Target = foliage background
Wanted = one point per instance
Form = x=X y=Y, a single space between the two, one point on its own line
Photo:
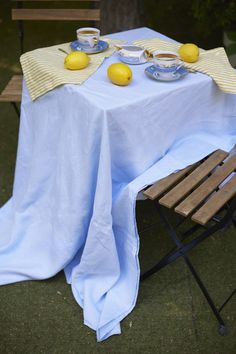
x=198 y=21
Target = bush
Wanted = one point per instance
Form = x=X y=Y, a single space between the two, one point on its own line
x=212 y=14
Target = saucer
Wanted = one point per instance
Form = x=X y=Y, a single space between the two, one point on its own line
x=153 y=72
x=100 y=47
x=132 y=60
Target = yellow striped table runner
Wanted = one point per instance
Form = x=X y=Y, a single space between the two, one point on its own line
x=213 y=62
x=43 y=68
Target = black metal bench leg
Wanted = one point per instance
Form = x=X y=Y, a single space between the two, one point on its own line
x=181 y=249
x=227 y=300
x=169 y=258
x=16 y=109
x=222 y=327
x=234 y=222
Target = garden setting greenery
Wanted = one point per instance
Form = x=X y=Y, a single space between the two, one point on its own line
x=207 y=23
x=222 y=14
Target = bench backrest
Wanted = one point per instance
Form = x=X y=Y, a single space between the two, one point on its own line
x=88 y=12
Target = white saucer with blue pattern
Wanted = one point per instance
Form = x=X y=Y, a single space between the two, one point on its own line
x=155 y=73
x=99 y=47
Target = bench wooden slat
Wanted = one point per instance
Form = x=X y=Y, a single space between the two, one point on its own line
x=216 y=202
x=56 y=14
x=16 y=80
x=10 y=98
x=13 y=90
x=206 y=188
x=193 y=179
x=165 y=183
x=14 y=83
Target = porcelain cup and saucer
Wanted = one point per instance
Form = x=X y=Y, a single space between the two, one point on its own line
x=88 y=41
x=167 y=66
x=167 y=63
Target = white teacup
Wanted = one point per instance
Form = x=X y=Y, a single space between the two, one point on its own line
x=166 y=62
x=88 y=36
x=166 y=58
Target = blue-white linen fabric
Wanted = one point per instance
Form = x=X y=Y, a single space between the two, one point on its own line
x=84 y=153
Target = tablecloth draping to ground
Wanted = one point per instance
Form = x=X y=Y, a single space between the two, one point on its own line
x=84 y=153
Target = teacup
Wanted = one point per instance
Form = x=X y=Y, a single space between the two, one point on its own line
x=132 y=54
x=88 y=36
x=166 y=62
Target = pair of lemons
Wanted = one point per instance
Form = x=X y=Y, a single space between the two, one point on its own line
x=118 y=73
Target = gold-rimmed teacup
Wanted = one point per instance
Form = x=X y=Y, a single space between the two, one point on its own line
x=88 y=36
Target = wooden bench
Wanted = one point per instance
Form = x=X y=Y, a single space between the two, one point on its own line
x=188 y=190
x=13 y=89
x=204 y=192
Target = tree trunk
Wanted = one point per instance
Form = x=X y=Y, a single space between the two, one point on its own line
x=120 y=15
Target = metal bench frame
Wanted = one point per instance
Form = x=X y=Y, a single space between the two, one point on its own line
x=217 y=222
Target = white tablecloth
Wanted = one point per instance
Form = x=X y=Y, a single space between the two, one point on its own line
x=84 y=153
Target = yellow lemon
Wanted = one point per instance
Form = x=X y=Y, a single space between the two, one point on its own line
x=189 y=52
x=76 y=60
x=120 y=74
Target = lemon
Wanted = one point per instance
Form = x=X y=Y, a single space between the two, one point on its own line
x=120 y=74
x=76 y=61
x=189 y=52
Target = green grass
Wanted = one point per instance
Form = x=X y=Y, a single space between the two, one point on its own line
x=171 y=315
